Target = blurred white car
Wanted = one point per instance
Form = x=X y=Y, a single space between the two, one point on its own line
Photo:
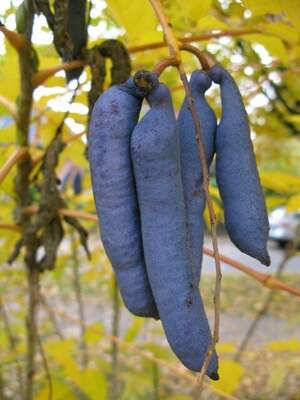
x=283 y=225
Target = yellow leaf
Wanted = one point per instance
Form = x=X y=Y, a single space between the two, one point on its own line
x=294 y=203
x=210 y=22
x=284 y=345
x=9 y=73
x=194 y=9
x=274 y=201
x=291 y=8
x=231 y=374
x=136 y=17
x=226 y=348
x=263 y=7
x=277 y=377
x=61 y=391
x=94 y=332
x=280 y=182
x=273 y=45
x=281 y=30
x=92 y=383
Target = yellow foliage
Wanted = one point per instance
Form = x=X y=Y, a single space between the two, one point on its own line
x=263 y=7
x=210 y=22
x=293 y=203
x=273 y=45
x=284 y=345
x=195 y=9
x=291 y=8
x=137 y=17
x=280 y=182
x=281 y=30
x=226 y=348
x=231 y=374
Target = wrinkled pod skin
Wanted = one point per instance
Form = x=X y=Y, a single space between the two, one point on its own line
x=192 y=177
x=77 y=31
x=113 y=119
x=156 y=160
x=246 y=217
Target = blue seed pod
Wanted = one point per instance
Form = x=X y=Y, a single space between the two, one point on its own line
x=156 y=160
x=192 y=176
x=246 y=217
x=113 y=119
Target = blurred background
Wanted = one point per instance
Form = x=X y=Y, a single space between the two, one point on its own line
x=67 y=322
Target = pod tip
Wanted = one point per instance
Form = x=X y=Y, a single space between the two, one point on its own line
x=214 y=376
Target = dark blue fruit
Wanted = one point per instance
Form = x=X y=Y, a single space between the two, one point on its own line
x=245 y=211
x=192 y=177
x=113 y=119
x=155 y=153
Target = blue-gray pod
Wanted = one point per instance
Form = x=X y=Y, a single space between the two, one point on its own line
x=155 y=154
x=113 y=119
x=192 y=177
x=246 y=217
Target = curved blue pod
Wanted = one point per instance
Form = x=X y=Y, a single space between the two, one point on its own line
x=113 y=119
x=156 y=161
x=246 y=217
x=192 y=177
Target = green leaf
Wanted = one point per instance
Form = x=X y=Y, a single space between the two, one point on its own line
x=61 y=391
x=273 y=45
x=210 y=22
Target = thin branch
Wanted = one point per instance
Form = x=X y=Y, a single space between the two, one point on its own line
x=46 y=368
x=174 y=46
x=52 y=316
x=79 y=300
x=17 y=156
x=266 y=280
x=17 y=41
x=115 y=347
x=9 y=105
x=193 y=38
x=13 y=347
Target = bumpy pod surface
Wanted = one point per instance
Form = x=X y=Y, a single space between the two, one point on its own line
x=156 y=160
x=192 y=176
x=246 y=218
x=113 y=119
x=77 y=30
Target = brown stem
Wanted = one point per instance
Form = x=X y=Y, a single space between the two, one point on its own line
x=174 y=52
x=31 y=325
x=13 y=347
x=41 y=76
x=205 y=60
x=193 y=38
x=15 y=39
x=9 y=105
x=79 y=301
x=115 y=347
x=17 y=156
x=52 y=316
x=163 y=64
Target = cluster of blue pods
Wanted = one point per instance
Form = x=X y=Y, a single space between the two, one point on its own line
x=147 y=183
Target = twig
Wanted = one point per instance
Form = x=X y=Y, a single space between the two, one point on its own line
x=15 y=39
x=79 y=300
x=9 y=105
x=46 y=368
x=174 y=46
x=12 y=345
x=115 y=347
x=289 y=252
x=17 y=156
x=10 y=227
x=267 y=280
x=41 y=76
x=193 y=38
x=52 y=316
